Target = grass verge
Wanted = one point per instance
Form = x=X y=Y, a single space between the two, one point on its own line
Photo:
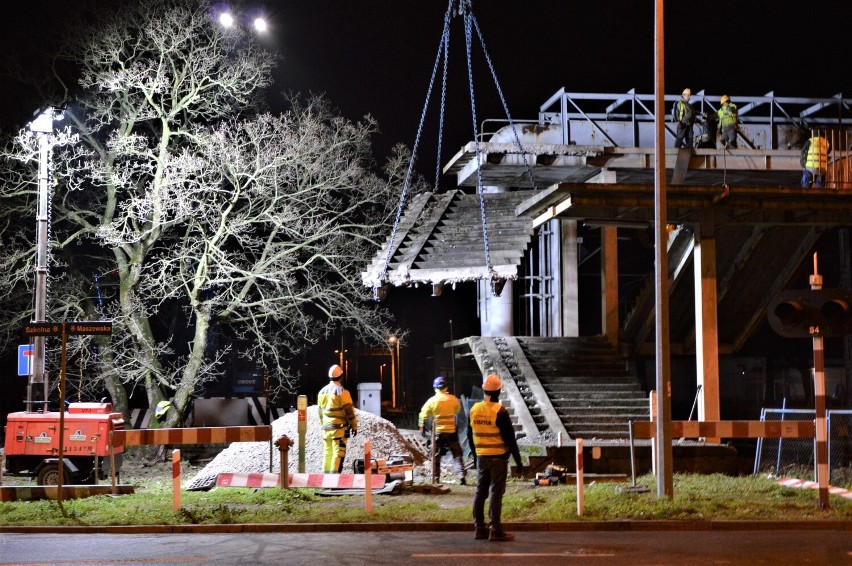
x=696 y=497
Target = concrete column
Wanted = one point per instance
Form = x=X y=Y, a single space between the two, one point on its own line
x=609 y=284
x=706 y=325
x=495 y=313
x=570 y=290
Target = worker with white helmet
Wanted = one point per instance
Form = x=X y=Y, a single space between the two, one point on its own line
x=728 y=122
x=442 y=408
x=337 y=418
x=683 y=115
x=492 y=435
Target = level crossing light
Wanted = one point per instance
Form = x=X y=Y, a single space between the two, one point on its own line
x=42 y=126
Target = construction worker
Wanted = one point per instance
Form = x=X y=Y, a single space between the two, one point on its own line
x=337 y=418
x=728 y=122
x=684 y=116
x=815 y=161
x=492 y=435
x=443 y=407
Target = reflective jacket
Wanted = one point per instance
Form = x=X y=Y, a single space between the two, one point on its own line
x=728 y=115
x=683 y=113
x=486 y=433
x=335 y=407
x=443 y=408
x=816 y=157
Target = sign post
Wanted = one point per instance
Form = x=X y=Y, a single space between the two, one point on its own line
x=302 y=407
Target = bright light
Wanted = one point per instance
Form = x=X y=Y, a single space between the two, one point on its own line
x=260 y=25
x=226 y=19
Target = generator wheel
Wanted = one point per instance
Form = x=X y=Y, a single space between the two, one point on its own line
x=48 y=475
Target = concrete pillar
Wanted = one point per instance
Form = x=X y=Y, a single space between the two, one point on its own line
x=570 y=289
x=706 y=325
x=609 y=284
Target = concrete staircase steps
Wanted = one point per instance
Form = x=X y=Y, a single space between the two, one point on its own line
x=588 y=385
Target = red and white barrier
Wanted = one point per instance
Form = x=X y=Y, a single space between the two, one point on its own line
x=793 y=482
x=319 y=481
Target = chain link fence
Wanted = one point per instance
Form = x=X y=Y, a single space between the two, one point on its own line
x=785 y=456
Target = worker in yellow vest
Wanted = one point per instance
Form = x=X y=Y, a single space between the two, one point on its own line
x=337 y=418
x=815 y=162
x=443 y=407
x=729 y=121
x=492 y=435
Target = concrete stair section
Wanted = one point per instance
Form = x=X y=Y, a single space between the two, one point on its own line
x=587 y=385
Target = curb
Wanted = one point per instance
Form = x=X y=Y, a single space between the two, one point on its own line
x=575 y=526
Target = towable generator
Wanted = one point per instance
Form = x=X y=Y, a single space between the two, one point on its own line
x=32 y=444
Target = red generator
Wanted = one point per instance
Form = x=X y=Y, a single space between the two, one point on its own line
x=32 y=445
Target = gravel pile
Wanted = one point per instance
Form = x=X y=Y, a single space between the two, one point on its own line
x=253 y=457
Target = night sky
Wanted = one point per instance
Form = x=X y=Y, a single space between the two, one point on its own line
x=376 y=56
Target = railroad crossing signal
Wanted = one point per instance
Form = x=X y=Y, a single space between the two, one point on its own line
x=811 y=312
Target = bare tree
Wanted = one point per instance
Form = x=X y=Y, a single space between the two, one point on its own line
x=205 y=209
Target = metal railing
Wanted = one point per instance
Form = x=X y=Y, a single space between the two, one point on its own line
x=627 y=119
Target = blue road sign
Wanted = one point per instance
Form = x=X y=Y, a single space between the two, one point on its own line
x=25 y=356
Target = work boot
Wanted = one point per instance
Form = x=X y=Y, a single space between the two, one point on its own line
x=463 y=481
x=500 y=536
x=481 y=534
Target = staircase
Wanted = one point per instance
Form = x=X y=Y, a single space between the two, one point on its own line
x=587 y=384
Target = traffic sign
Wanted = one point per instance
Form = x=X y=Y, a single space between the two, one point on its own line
x=25 y=356
x=42 y=329
x=86 y=327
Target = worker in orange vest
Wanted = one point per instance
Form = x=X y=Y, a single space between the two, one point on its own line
x=493 y=436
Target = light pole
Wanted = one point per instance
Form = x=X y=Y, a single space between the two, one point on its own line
x=382 y=373
x=42 y=126
x=394 y=351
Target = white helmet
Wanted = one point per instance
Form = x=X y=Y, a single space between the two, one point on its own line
x=335 y=371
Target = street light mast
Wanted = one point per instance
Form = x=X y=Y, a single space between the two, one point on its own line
x=42 y=126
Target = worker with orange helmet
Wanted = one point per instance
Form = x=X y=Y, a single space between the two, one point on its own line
x=728 y=122
x=493 y=437
x=337 y=418
x=442 y=408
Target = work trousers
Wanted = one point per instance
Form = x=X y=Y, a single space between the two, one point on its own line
x=491 y=474
x=813 y=178
x=334 y=450
x=728 y=137
x=447 y=441
x=684 y=137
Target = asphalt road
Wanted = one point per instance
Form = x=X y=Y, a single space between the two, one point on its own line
x=817 y=547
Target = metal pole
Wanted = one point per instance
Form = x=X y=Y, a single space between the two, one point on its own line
x=819 y=405
x=38 y=378
x=664 y=428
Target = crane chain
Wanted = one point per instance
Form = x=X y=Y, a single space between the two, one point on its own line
x=442 y=46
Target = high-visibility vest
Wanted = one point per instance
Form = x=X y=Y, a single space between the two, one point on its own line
x=727 y=115
x=486 y=434
x=335 y=407
x=817 y=157
x=443 y=408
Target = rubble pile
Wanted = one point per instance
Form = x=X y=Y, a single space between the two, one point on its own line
x=253 y=457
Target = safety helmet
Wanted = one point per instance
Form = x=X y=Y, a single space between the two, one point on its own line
x=440 y=382
x=492 y=383
x=335 y=371
x=687 y=92
x=725 y=98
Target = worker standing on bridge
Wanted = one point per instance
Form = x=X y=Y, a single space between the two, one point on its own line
x=729 y=121
x=337 y=418
x=493 y=436
x=684 y=116
x=815 y=161
x=443 y=407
